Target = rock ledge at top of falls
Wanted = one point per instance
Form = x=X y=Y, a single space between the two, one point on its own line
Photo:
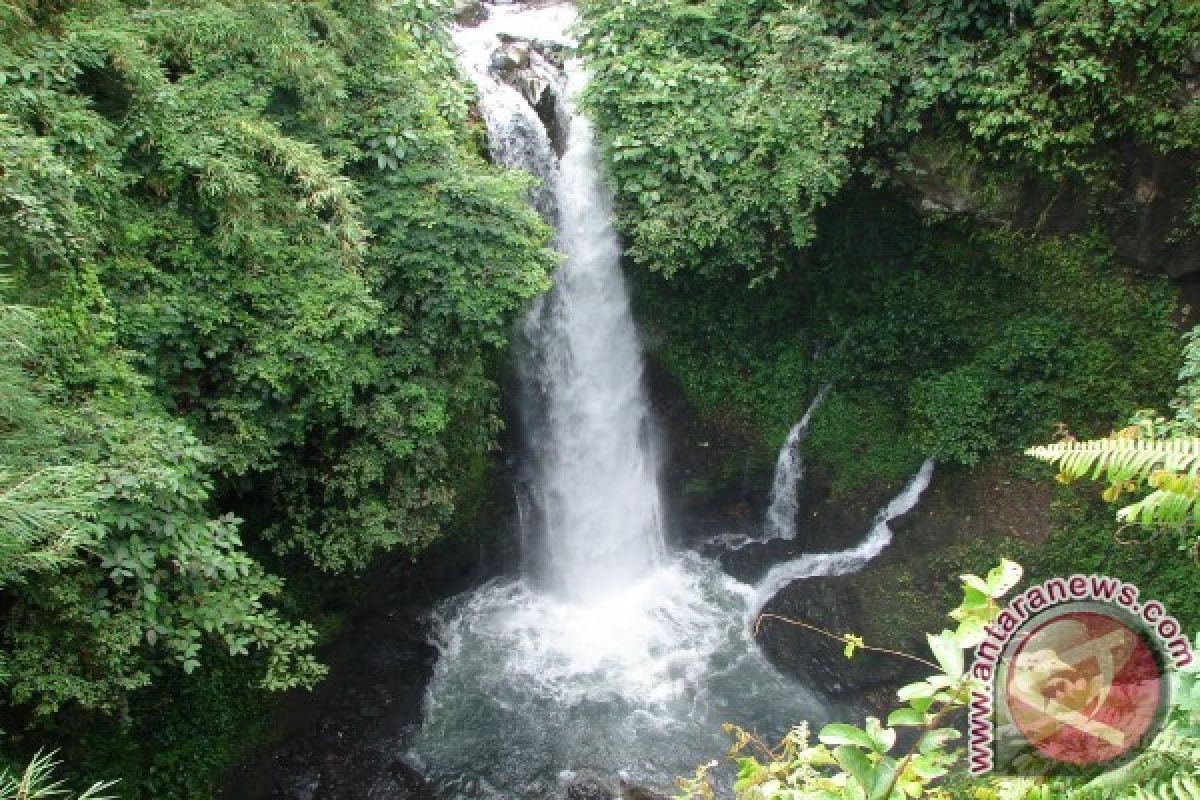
x=534 y=67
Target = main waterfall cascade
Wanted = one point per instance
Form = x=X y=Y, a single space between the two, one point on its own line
x=596 y=472
x=608 y=654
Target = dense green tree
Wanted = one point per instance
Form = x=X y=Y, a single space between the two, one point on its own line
x=727 y=124
x=267 y=271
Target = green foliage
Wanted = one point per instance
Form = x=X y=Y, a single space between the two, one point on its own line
x=954 y=412
x=44 y=507
x=938 y=339
x=184 y=736
x=1080 y=75
x=37 y=782
x=1127 y=463
x=860 y=437
x=736 y=350
x=266 y=275
x=728 y=124
x=1153 y=456
x=725 y=124
x=317 y=310
x=120 y=567
x=1084 y=540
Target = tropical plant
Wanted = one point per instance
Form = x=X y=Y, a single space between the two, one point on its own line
x=863 y=763
x=849 y=762
x=37 y=782
x=1155 y=457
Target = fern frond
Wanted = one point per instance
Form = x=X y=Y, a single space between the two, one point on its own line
x=1168 y=467
x=1162 y=507
x=1121 y=458
x=1177 y=787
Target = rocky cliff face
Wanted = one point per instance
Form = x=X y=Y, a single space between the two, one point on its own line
x=1143 y=207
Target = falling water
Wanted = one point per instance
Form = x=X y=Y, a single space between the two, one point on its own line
x=596 y=479
x=606 y=653
x=846 y=561
x=789 y=472
x=517 y=135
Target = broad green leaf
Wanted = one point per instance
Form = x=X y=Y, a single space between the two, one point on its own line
x=932 y=740
x=882 y=738
x=839 y=733
x=948 y=651
x=905 y=716
x=912 y=690
x=857 y=765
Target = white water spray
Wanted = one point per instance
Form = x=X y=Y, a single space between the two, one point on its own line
x=596 y=478
x=846 y=561
x=789 y=472
x=607 y=654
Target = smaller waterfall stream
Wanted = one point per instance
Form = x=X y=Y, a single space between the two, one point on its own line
x=789 y=472
x=846 y=561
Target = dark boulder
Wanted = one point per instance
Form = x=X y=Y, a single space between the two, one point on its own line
x=631 y=791
x=588 y=788
x=838 y=605
x=399 y=781
x=469 y=13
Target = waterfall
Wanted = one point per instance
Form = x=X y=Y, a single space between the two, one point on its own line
x=606 y=653
x=517 y=135
x=596 y=472
x=789 y=472
x=595 y=519
x=846 y=561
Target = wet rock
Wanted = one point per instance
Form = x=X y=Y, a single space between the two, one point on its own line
x=534 y=67
x=1143 y=209
x=824 y=524
x=511 y=56
x=298 y=785
x=837 y=605
x=469 y=12
x=631 y=791
x=400 y=781
x=750 y=562
x=588 y=788
x=553 y=51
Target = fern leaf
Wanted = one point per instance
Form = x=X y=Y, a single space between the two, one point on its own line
x=1120 y=459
